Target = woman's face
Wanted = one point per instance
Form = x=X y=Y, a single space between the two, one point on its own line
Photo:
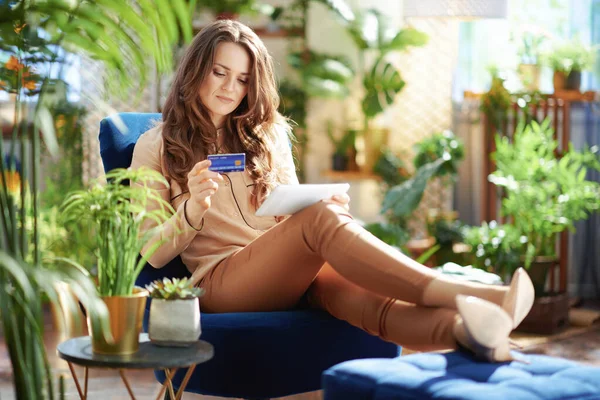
x=223 y=89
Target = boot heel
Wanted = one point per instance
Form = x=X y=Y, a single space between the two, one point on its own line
x=520 y=297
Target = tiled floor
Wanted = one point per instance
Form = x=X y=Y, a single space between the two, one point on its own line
x=581 y=344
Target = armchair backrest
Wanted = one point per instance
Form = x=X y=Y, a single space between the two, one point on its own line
x=118 y=135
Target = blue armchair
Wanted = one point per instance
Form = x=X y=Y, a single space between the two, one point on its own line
x=258 y=355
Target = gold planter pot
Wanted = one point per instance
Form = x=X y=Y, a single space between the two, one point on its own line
x=125 y=315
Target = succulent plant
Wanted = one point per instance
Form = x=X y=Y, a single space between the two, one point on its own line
x=173 y=289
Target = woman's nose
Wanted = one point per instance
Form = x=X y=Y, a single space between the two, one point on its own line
x=229 y=85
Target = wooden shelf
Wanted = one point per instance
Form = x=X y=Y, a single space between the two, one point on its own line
x=565 y=95
x=350 y=175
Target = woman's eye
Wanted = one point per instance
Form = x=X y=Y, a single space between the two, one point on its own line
x=218 y=74
x=243 y=82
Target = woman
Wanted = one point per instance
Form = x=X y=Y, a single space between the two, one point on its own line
x=224 y=100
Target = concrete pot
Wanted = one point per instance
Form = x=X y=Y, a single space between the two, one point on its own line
x=174 y=322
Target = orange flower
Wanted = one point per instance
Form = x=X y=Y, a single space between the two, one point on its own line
x=30 y=85
x=2 y=85
x=13 y=181
x=13 y=64
x=19 y=28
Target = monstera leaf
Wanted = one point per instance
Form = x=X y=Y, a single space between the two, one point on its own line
x=381 y=84
x=405 y=198
x=403 y=39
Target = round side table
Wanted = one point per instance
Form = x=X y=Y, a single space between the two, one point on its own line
x=79 y=351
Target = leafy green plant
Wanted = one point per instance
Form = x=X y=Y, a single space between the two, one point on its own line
x=116 y=212
x=322 y=75
x=124 y=36
x=496 y=102
x=543 y=194
x=374 y=37
x=495 y=248
x=391 y=169
x=175 y=289
x=571 y=56
x=437 y=157
x=446 y=232
x=444 y=145
x=531 y=46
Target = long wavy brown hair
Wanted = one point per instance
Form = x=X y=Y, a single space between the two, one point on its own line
x=187 y=129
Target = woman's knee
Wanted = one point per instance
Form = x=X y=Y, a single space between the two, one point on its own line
x=321 y=220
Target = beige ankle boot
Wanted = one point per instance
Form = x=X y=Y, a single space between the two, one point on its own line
x=515 y=299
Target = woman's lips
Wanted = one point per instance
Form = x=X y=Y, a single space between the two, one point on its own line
x=225 y=100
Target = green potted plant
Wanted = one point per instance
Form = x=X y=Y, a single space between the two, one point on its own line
x=447 y=231
x=568 y=60
x=391 y=168
x=543 y=194
x=115 y=213
x=174 y=312
x=436 y=157
x=532 y=40
x=496 y=102
x=341 y=145
x=443 y=145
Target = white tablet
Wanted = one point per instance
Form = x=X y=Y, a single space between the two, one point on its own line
x=289 y=199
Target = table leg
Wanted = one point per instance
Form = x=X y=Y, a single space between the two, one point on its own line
x=124 y=378
x=170 y=384
x=167 y=384
x=85 y=380
x=82 y=396
x=185 y=381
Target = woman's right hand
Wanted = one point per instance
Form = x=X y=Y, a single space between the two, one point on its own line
x=202 y=184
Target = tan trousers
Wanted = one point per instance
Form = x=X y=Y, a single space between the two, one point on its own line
x=346 y=271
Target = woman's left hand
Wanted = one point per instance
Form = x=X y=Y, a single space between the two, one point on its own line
x=342 y=200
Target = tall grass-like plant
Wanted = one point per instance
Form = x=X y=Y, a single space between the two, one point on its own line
x=126 y=36
x=115 y=213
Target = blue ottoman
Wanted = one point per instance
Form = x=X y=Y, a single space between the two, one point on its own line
x=457 y=376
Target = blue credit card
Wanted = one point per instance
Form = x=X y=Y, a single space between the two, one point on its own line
x=235 y=162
